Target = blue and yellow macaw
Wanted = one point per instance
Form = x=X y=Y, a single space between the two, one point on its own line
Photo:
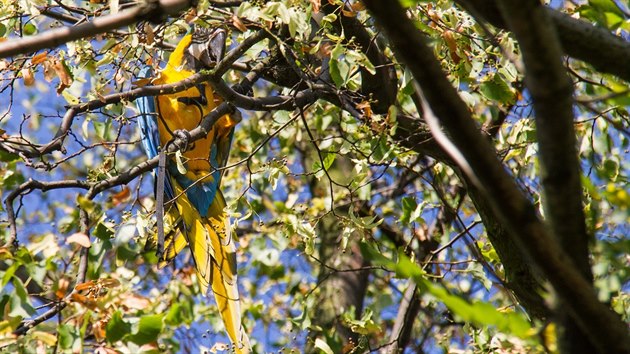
x=196 y=216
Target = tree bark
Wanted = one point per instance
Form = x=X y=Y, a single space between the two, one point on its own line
x=478 y=159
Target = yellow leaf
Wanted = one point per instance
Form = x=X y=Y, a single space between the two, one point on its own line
x=48 y=338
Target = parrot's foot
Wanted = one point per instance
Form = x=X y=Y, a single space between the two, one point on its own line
x=182 y=139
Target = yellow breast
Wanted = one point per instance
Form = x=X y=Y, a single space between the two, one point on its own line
x=176 y=115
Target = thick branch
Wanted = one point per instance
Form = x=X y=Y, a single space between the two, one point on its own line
x=551 y=91
x=150 y=10
x=512 y=207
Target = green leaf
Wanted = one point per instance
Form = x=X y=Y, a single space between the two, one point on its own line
x=179 y=159
x=406 y=268
x=496 y=89
x=480 y=313
x=10 y=324
x=335 y=72
x=606 y=6
x=19 y=304
x=29 y=29
x=8 y=273
x=103 y=232
x=69 y=337
x=103 y=129
x=365 y=325
x=410 y=3
x=70 y=98
x=329 y=18
x=369 y=251
x=303 y=320
x=149 y=328
x=329 y=158
x=336 y=65
x=8 y=157
x=116 y=328
x=412 y=211
x=179 y=313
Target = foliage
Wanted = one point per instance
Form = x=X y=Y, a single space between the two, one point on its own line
x=318 y=193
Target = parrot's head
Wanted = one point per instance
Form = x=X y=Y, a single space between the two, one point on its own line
x=206 y=47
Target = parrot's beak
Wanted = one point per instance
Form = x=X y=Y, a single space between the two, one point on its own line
x=208 y=47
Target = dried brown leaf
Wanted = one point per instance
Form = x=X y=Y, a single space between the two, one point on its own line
x=84 y=286
x=150 y=33
x=49 y=73
x=366 y=108
x=109 y=283
x=358 y=6
x=27 y=75
x=236 y=22
x=316 y=4
x=136 y=302
x=62 y=288
x=190 y=15
x=451 y=42
x=121 y=196
x=63 y=73
x=39 y=58
x=348 y=13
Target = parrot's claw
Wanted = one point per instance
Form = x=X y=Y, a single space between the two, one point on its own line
x=182 y=139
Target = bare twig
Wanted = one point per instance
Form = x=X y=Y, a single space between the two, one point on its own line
x=149 y=10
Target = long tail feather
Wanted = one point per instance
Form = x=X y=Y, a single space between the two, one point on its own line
x=214 y=254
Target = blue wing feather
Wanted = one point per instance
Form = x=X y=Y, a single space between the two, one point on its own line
x=149 y=130
x=148 y=122
x=200 y=194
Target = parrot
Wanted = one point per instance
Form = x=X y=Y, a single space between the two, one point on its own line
x=194 y=207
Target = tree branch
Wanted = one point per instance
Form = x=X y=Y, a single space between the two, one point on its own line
x=552 y=90
x=512 y=207
x=152 y=10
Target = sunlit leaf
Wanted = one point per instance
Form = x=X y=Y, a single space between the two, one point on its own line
x=117 y=328
x=149 y=328
x=323 y=346
x=80 y=239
